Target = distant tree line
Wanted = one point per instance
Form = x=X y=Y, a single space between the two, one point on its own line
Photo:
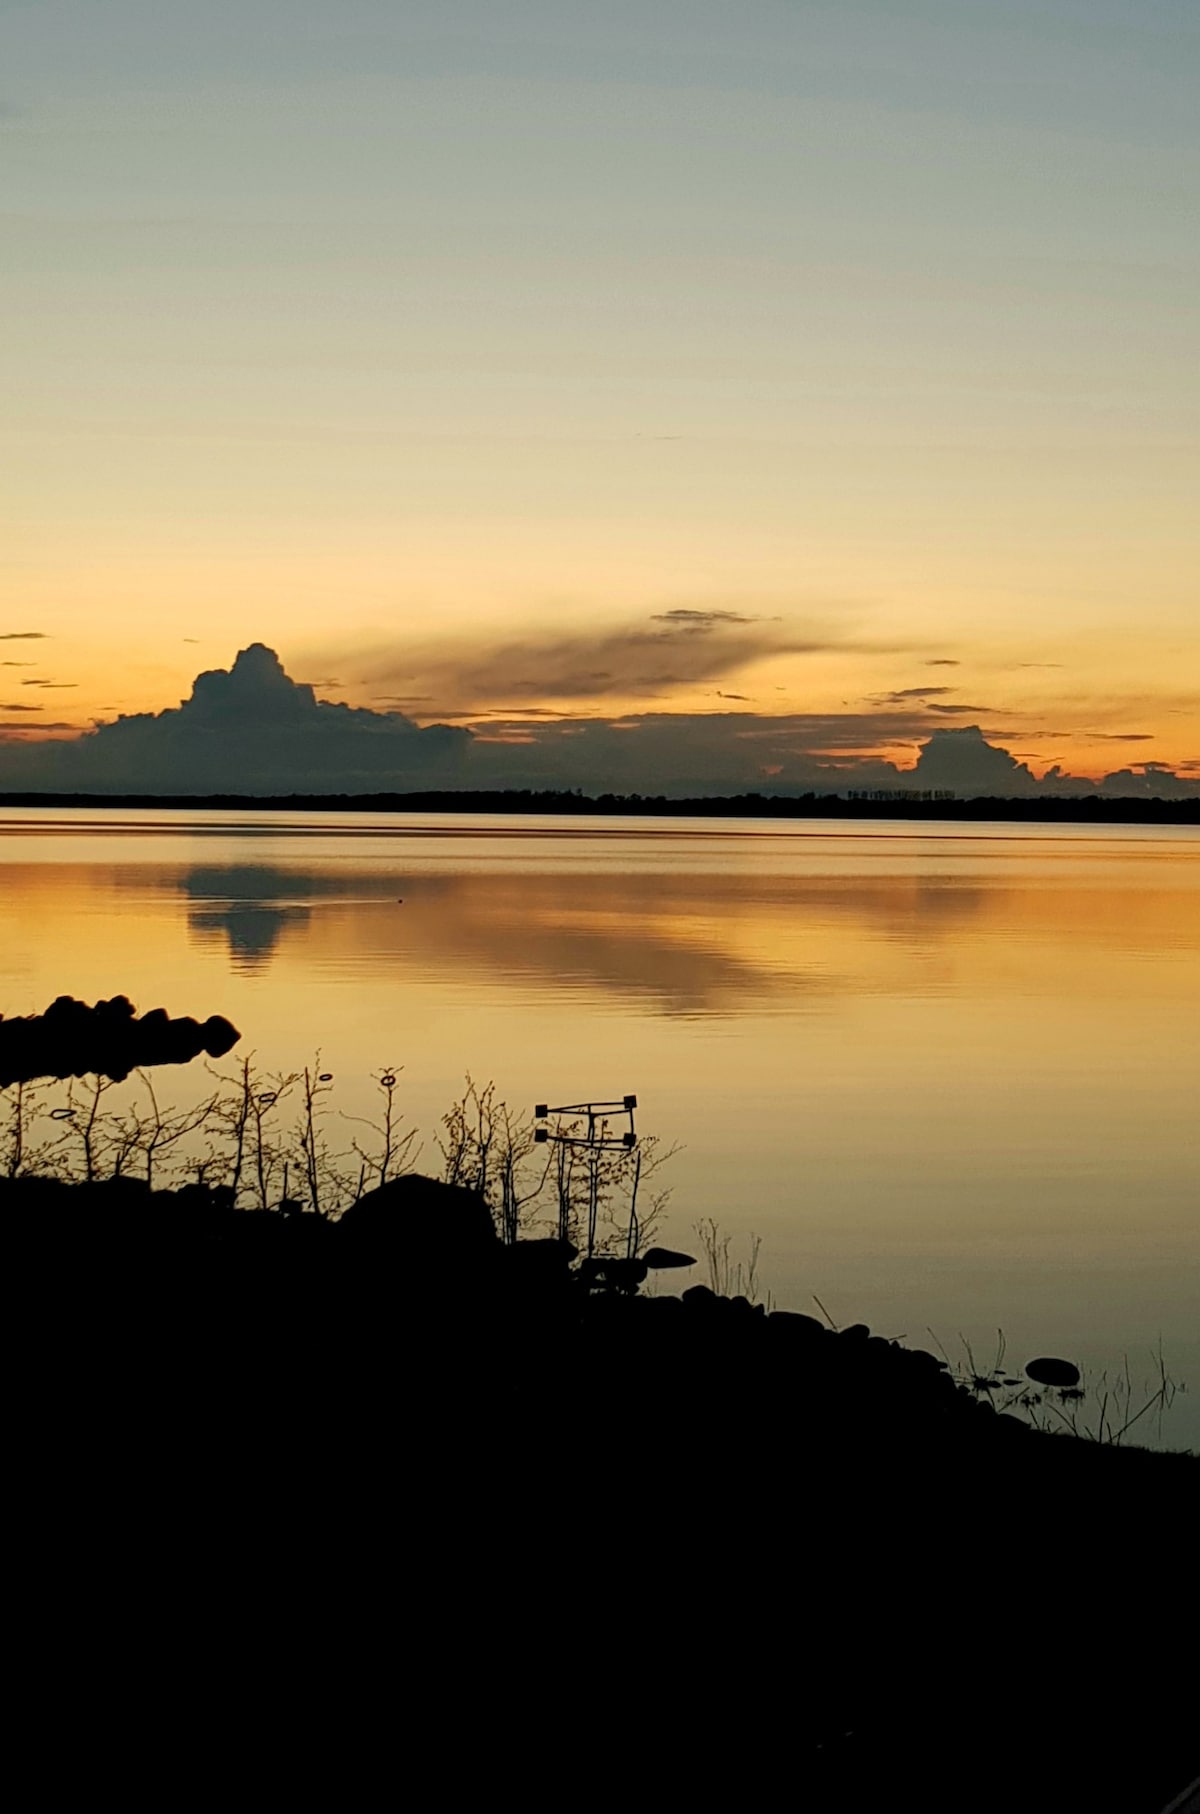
x=933 y=804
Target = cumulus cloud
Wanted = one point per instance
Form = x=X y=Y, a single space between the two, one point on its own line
x=965 y=762
x=246 y=729
x=252 y=729
x=677 y=754
x=1151 y=781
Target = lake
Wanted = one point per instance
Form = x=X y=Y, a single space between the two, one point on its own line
x=949 y=1074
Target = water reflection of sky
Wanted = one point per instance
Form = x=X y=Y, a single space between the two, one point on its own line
x=950 y=1080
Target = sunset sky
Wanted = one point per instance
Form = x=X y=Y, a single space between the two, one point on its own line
x=496 y=358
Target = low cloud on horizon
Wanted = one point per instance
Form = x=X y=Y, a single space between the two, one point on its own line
x=252 y=729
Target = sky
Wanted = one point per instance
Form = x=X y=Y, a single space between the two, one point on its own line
x=827 y=368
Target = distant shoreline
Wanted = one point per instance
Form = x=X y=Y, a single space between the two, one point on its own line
x=1090 y=809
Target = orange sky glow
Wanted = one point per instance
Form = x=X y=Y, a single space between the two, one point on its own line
x=455 y=355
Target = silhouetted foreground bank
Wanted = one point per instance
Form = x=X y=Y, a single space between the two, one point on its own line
x=665 y=1536
x=1088 y=809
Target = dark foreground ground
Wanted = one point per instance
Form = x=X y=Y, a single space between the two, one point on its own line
x=380 y=1510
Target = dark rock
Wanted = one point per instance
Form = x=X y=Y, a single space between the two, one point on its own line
x=1050 y=1372
x=72 y=1039
x=615 y=1275
x=794 y=1323
x=423 y=1218
x=857 y=1332
x=540 y=1262
x=1010 y=1427
x=700 y=1297
x=921 y=1358
x=662 y=1259
x=220 y=1035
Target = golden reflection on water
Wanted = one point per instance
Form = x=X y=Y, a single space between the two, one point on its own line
x=949 y=1075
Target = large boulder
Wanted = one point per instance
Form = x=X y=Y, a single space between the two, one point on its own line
x=423 y=1218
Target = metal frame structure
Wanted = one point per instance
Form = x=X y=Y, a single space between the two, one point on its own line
x=596 y=1114
x=592 y=1145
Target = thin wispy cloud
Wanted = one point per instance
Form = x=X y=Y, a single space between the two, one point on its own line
x=666 y=652
x=976 y=711
x=904 y=695
x=8 y=724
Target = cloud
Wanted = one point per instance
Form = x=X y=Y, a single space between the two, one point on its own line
x=963 y=760
x=23 y=636
x=678 y=754
x=685 y=617
x=943 y=661
x=1152 y=780
x=679 y=648
x=15 y=705
x=54 y=685
x=980 y=710
x=252 y=729
x=247 y=729
x=905 y=694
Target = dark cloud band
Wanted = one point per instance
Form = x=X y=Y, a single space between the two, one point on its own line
x=251 y=729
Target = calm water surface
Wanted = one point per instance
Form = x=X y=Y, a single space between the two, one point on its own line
x=949 y=1074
